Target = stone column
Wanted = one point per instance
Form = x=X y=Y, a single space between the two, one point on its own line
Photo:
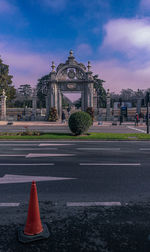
x=95 y=99
x=3 y=106
x=82 y=100
x=89 y=87
x=34 y=104
x=90 y=95
x=48 y=101
x=59 y=104
x=53 y=94
x=108 y=106
x=95 y=103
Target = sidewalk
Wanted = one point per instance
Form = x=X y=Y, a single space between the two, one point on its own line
x=45 y=123
x=86 y=229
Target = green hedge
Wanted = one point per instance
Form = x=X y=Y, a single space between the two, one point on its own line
x=79 y=122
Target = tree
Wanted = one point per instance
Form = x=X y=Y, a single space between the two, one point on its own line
x=128 y=95
x=114 y=98
x=41 y=91
x=25 y=90
x=101 y=93
x=24 y=93
x=6 y=83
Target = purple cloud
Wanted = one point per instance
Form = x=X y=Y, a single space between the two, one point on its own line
x=121 y=76
x=26 y=66
x=84 y=49
x=145 y=4
x=7 y=7
x=127 y=35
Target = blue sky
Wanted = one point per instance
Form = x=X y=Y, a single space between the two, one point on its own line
x=113 y=34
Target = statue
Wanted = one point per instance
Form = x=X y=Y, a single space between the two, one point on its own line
x=3 y=92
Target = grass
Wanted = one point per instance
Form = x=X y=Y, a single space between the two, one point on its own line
x=89 y=136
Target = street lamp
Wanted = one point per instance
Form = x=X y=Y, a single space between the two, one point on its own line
x=147 y=104
x=120 y=104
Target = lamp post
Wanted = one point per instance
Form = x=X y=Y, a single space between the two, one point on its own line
x=138 y=104
x=147 y=104
x=120 y=103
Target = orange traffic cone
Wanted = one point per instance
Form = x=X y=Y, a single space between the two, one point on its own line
x=33 y=229
x=33 y=224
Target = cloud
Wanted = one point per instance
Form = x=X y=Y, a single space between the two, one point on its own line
x=7 y=7
x=26 y=66
x=84 y=49
x=145 y=4
x=119 y=76
x=129 y=38
x=127 y=35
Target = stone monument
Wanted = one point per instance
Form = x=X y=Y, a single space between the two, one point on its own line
x=70 y=76
x=3 y=106
x=108 y=106
x=34 y=103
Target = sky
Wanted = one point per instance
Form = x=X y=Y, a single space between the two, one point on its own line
x=114 y=35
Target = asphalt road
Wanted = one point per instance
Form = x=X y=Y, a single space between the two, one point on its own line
x=124 y=128
x=88 y=171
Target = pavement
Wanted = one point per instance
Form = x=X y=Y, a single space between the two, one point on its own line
x=58 y=123
x=51 y=127
x=101 y=229
x=93 y=196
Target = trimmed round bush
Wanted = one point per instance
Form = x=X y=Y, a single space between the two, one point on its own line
x=79 y=122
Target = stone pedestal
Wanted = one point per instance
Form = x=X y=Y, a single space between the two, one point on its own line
x=108 y=106
x=3 y=106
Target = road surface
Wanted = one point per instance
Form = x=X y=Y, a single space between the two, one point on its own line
x=72 y=171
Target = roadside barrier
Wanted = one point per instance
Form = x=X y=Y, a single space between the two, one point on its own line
x=34 y=230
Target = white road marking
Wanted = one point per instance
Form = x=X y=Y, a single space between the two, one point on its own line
x=39 y=164
x=109 y=149
x=9 y=204
x=12 y=179
x=143 y=149
x=53 y=144
x=12 y=155
x=88 y=204
x=111 y=164
x=18 y=144
x=16 y=149
x=143 y=131
x=32 y=155
x=72 y=141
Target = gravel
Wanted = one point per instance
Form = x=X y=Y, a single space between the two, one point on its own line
x=75 y=229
